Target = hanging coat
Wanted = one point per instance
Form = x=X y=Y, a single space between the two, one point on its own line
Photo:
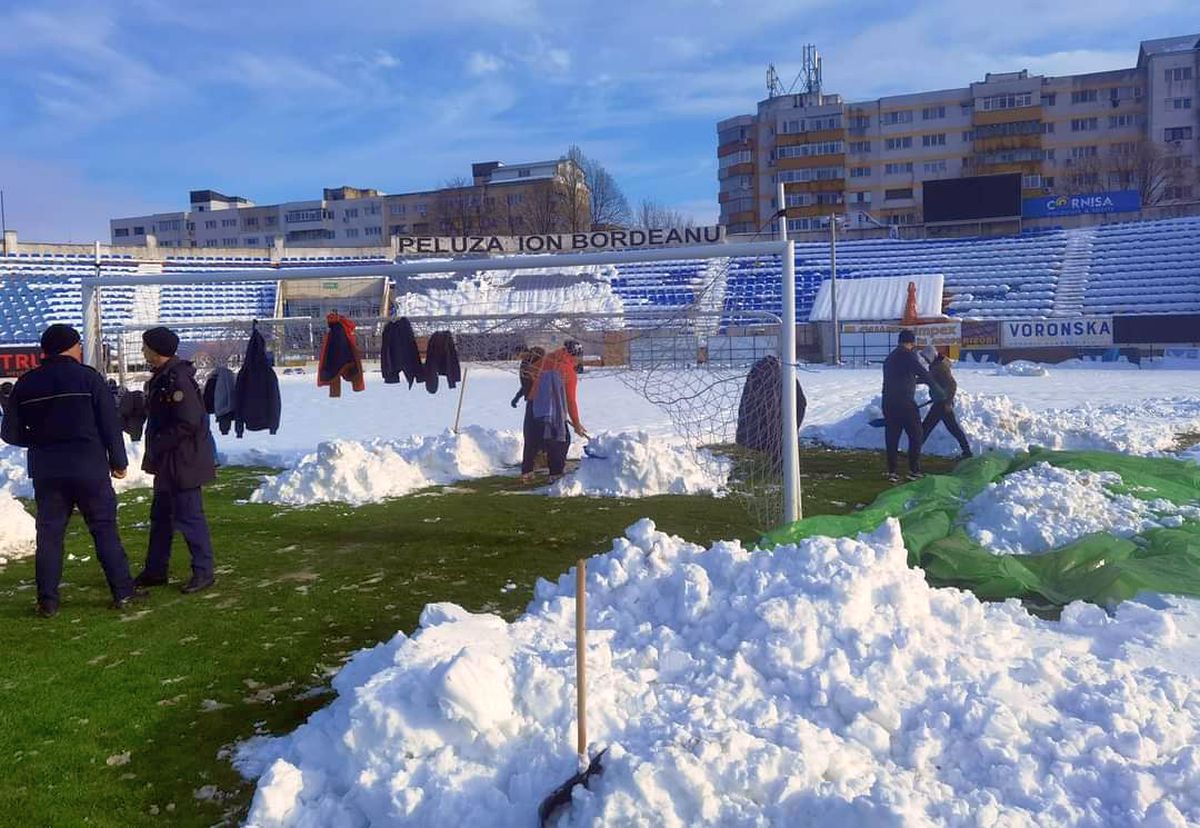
x=256 y=401
x=760 y=419
x=400 y=353
x=132 y=409
x=441 y=358
x=220 y=397
x=340 y=358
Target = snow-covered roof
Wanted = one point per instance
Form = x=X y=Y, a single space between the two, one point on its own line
x=879 y=298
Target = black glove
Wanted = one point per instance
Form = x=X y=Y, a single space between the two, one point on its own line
x=516 y=400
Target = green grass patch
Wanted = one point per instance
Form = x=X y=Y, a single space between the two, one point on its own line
x=119 y=720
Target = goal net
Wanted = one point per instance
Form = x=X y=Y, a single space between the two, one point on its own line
x=699 y=338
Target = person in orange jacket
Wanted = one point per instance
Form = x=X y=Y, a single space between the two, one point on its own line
x=554 y=403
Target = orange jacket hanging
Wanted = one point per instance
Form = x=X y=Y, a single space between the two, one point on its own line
x=340 y=357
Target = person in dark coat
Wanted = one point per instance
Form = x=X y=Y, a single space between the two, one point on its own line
x=760 y=409
x=400 y=353
x=63 y=413
x=179 y=453
x=941 y=410
x=340 y=358
x=531 y=363
x=257 y=405
x=902 y=371
x=5 y=391
x=441 y=358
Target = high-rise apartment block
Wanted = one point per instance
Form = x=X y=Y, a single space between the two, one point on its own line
x=1126 y=129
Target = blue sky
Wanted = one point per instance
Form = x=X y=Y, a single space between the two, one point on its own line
x=119 y=107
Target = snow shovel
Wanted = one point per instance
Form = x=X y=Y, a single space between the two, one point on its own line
x=591 y=451
x=561 y=797
x=880 y=422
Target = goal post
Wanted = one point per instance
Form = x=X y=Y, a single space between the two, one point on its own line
x=402 y=272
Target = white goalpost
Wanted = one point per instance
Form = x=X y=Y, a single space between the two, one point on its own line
x=93 y=333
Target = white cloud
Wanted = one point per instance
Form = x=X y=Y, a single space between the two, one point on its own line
x=483 y=63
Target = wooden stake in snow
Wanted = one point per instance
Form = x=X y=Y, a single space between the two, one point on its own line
x=462 y=390
x=581 y=654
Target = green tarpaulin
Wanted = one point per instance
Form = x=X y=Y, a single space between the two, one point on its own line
x=1099 y=568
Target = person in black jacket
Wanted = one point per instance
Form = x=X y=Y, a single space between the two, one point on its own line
x=902 y=370
x=941 y=409
x=179 y=453
x=63 y=413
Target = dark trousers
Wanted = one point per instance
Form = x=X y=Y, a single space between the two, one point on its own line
x=178 y=510
x=96 y=501
x=942 y=411
x=535 y=441
x=902 y=417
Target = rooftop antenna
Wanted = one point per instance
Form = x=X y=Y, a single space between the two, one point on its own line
x=774 y=85
x=809 y=78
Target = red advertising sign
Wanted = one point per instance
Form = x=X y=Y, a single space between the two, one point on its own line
x=17 y=359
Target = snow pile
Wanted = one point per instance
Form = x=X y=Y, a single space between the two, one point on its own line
x=636 y=465
x=1044 y=507
x=18 y=532
x=14 y=479
x=1021 y=368
x=823 y=683
x=1192 y=454
x=358 y=472
x=996 y=422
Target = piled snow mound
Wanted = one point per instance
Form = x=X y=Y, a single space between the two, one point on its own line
x=636 y=465
x=996 y=422
x=349 y=471
x=1021 y=368
x=18 y=533
x=14 y=479
x=1044 y=507
x=822 y=683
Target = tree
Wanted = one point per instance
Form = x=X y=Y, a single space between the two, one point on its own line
x=608 y=205
x=576 y=198
x=651 y=215
x=453 y=209
x=1142 y=166
x=542 y=208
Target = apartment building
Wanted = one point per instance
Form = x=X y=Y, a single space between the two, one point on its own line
x=535 y=197
x=1126 y=129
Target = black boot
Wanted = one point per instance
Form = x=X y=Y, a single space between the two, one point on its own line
x=46 y=609
x=144 y=580
x=198 y=583
x=138 y=596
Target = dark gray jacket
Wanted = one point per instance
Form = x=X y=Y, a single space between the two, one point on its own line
x=179 y=446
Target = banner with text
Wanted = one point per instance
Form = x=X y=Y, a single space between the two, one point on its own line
x=980 y=334
x=1116 y=201
x=1084 y=332
x=17 y=359
x=591 y=241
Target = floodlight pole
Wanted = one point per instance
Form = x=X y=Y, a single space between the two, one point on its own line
x=790 y=448
x=837 y=334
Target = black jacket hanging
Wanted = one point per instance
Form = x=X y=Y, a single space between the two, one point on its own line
x=400 y=353
x=441 y=358
x=220 y=395
x=256 y=392
x=760 y=419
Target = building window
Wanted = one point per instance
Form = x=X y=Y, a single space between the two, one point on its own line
x=398 y=209
x=898 y=194
x=726 y=161
x=1010 y=101
x=860 y=146
x=268 y=240
x=251 y=241
x=809 y=174
x=967 y=108
x=169 y=226
x=1181 y=73
x=1170 y=134
x=860 y=122
x=933 y=113
x=860 y=198
x=934 y=167
x=1085 y=124
x=210 y=224
x=512 y=200
x=211 y=243
x=371 y=210
x=860 y=172
x=373 y=231
x=1048 y=128
x=1031 y=182
x=898 y=143
x=352 y=232
x=1180 y=103
x=1084 y=96
x=902 y=218
x=1084 y=152
x=349 y=213
x=968 y=136
x=295 y=216
x=898 y=169
x=1123 y=148
x=1177 y=193
x=807 y=150
x=229 y=242
x=1118 y=121
x=121 y=232
x=904 y=116
x=938 y=140
x=1048 y=182
x=523 y=173
x=272 y=221
x=791 y=127
x=229 y=222
x=139 y=231
x=251 y=221
x=1049 y=100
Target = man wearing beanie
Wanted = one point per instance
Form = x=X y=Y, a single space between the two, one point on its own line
x=63 y=413
x=902 y=370
x=179 y=453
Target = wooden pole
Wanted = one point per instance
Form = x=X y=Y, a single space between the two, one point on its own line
x=462 y=390
x=581 y=654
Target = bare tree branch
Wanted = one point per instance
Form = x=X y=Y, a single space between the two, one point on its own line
x=651 y=214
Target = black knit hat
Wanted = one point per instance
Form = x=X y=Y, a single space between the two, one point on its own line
x=907 y=336
x=163 y=341
x=573 y=347
x=58 y=338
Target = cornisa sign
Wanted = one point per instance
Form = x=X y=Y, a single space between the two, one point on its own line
x=1087 y=331
x=1115 y=201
